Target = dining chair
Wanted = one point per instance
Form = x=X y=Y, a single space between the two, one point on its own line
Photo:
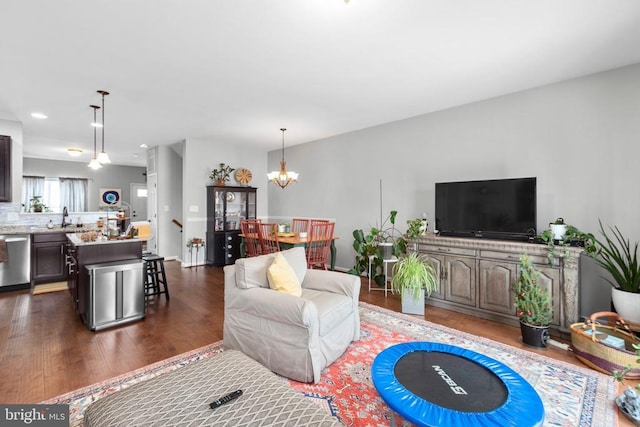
x=251 y=230
x=269 y=237
x=300 y=225
x=319 y=244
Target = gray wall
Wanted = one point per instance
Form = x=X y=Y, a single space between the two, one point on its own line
x=579 y=138
x=109 y=176
x=200 y=157
x=170 y=176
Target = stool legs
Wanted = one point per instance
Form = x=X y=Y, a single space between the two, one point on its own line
x=156 y=278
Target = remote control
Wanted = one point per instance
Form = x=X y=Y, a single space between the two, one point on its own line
x=225 y=399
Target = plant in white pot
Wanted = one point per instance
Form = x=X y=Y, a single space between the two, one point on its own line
x=616 y=255
x=414 y=278
x=558 y=228
x=533 y=305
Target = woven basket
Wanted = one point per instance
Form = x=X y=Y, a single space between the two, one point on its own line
x=591 y=344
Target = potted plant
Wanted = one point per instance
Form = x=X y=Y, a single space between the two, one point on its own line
x=558 y=228
x=221 y=174
x=369 y=248
x=36 y=204
x=414 y=278
x=571 y=236
x=629 y=401
x=533 y=305
x=615 y=254
x=416 y=227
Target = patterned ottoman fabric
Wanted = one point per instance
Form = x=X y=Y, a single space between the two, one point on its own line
x=182 y=397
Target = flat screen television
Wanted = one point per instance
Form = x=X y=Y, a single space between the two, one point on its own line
x=492 y=209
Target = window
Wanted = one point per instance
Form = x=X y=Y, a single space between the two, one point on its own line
x=56 y=193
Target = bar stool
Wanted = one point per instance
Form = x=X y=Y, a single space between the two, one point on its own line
x=155 y=282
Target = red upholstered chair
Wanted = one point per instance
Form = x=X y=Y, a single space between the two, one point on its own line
x=319 y=244
x=269 y=237
x=300 y=225
x=251 y=231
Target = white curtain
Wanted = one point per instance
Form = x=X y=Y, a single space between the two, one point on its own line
x=73 y=194
x=31 y=186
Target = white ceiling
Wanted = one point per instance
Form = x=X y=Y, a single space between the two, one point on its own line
x=237 y=71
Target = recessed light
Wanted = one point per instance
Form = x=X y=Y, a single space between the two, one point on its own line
x=143 y=145
x=75 y=152
x=39 y=116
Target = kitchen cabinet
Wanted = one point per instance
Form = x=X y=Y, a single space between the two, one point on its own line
x=5 y=168
x=48 y=258
x=476 y=277
x=82 y=254
x=226 y=207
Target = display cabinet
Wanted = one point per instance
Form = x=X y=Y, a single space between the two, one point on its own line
x=226 y=207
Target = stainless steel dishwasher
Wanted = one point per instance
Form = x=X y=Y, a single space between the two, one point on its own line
x=16 y=270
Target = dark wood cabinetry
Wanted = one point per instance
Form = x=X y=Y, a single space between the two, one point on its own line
x=5 y=168
x=48 y=258
x=226 y=206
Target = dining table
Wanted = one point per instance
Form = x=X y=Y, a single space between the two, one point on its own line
x=292 y=240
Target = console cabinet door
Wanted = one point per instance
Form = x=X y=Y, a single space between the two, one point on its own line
x=437 y=261
x=549 y=279
x=496 y=286
x=460 y=280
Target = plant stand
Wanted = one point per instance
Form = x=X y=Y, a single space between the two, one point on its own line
x=386 y=263
x=197 y=246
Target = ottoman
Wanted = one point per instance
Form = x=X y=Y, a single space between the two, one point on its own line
x=182 y=398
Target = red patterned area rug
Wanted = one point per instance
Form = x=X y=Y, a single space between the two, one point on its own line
x=572 y=396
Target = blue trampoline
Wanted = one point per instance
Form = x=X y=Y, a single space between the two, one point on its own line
x=433 y=384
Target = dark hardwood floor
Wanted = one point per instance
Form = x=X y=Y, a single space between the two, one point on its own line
x=45 y=350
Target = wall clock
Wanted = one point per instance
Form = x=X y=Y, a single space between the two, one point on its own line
x=243 y=176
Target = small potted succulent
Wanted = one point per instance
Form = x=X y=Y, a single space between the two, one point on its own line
x=533 y=305
x=221 y=174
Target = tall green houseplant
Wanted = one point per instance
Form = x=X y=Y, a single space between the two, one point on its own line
x=367 y=247
x=616 y=256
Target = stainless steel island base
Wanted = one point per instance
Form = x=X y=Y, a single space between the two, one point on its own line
x=116 y=293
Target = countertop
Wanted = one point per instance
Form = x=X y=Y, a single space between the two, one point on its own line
x=75 y=239
x=31 y=229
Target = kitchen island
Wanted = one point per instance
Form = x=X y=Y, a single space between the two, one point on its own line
x=103 y=294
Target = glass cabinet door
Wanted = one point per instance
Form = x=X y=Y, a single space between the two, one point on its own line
x=251 y=204
x=219 y=210
x=235 y=209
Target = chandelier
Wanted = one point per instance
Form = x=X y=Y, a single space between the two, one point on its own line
x=103 y=157
x=94 y=163
x=282 y=178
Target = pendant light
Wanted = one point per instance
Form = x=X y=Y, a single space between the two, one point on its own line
x=103 y=157
x=94 y=163
x=282 y=178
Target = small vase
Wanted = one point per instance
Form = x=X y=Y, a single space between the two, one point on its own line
x=534 y=336
x=221 y=182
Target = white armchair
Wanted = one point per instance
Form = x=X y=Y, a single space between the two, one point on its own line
x=293 y=336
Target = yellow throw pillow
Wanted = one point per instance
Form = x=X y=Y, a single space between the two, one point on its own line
x=282 y=277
